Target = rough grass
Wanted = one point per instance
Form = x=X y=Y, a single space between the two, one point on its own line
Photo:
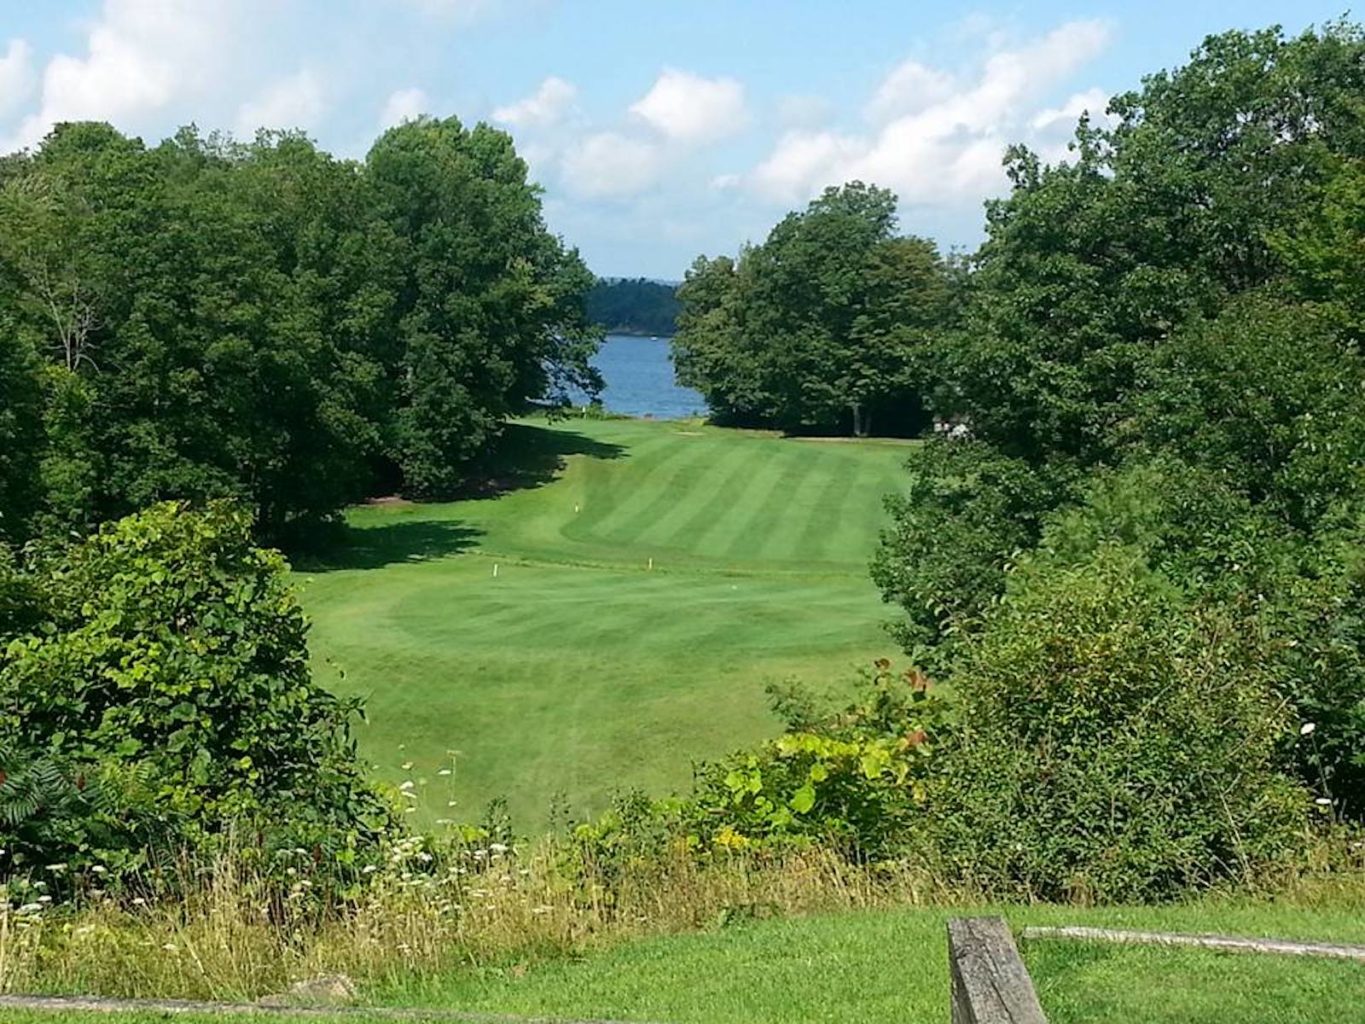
x=803 y=937
x=578 y=669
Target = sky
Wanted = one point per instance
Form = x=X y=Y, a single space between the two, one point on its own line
x=659 y=130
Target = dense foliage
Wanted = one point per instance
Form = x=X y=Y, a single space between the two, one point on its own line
x=261 y=321
x=829 y=325
x=634 y=306
x=155 y=692
x=1115 y=744
x=1136 y=563
x=1161 y=350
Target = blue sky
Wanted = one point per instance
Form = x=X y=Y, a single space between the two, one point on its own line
x=658 y=129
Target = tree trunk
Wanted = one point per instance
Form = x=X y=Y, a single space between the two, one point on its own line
x=861 y=424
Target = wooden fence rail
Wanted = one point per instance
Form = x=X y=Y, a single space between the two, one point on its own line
x=329 y=1014
x=1230 y=943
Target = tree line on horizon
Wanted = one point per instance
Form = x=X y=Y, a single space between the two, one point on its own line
x=259 y=320
x=634 y=306
x=829 y=325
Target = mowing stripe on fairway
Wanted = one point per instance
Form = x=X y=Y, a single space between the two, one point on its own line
x=827 y=517
x=772 y=508
x=715 y=489
x=711 y=512
x=627 y=495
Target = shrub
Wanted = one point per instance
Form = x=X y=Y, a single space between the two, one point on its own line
x=1319 y=663
x=853 y=779
x=967 y=511
x=1117 y=743
x=172 y=651
x=1303 y=590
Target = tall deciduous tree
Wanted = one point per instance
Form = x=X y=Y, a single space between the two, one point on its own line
x=264 y=322
x=489 y=310
x=822 y=326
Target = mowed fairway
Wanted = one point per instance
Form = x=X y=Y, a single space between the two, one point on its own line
x=578 y=669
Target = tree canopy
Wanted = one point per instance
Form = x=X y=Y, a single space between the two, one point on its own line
x=1160 y=352
x=207 y=318
x=828 y=325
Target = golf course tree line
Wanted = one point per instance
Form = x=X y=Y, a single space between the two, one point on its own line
x=206 y=345
x=634 y=306
x=264 y=322
x=830 y=325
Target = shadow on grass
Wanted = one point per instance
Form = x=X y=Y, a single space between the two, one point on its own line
x=529 y=456
x=526 y=457
x=405 y=540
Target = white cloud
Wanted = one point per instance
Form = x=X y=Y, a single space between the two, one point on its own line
x=546 y=106
x=680 y=114
x=16 y=75
x=404 y=105
x=293 y=102
x=1093 y=101
x=937 y=137
x=910 y=88
x=693 y=110
x=142 y=55
x=609 y=165
x=802 y=160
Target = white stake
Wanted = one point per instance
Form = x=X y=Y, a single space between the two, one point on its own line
x=495 y=570
x=651 y=563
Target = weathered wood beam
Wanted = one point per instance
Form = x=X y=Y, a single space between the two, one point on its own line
x=990 y=984
x=94 y=1004
x=1225 y=942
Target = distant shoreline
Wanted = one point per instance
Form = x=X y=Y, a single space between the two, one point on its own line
x=636 y=334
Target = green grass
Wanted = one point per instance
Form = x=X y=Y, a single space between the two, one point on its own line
x=1083 y=982
x=892 y=965
x=579 y=670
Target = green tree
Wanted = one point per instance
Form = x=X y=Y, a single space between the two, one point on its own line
x=21 y=434
x=825 y=325
x=639 y=306
x=1090 y=265
x=490 y=304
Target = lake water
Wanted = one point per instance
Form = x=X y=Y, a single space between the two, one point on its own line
x=639 y=379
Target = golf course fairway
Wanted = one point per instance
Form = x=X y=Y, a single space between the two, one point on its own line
x=608 y=615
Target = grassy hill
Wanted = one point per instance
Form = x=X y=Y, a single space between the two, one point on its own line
x=578 y=668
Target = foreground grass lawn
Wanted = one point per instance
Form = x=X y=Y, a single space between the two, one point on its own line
x=892 y=965
x=1082 y=982
x=579 y=669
